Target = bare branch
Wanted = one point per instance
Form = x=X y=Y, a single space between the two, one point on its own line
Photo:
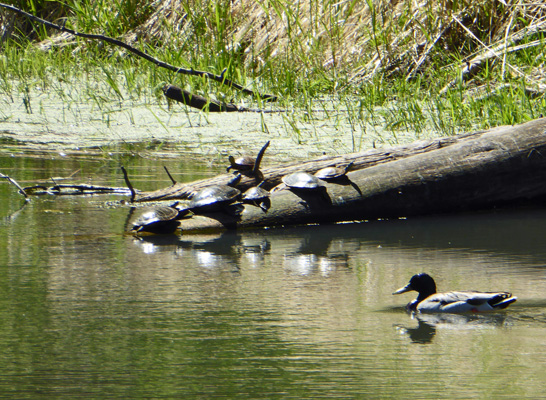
x=13 y=182
x=179 y=70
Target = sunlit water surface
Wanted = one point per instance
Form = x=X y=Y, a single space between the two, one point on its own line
x=88 y=311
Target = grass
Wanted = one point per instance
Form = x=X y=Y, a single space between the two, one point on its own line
x=379 y=65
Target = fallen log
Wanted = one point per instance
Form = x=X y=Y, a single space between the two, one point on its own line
x=176 y=93
x=194 y=100
x=477 y=171
x=273 y=175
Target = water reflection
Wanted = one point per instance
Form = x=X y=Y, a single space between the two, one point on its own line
x=303 y=312
x=428 y=324
x=307 y=254
x=210 y=251
x=10 y=218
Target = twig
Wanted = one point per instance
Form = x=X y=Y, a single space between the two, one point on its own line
x=13 y=182
x=170 y=176
x=128 y=183
x=179 y=70
x=62 y=178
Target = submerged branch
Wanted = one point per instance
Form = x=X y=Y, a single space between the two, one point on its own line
x=74 y=189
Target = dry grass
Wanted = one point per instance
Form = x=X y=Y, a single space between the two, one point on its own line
x=402 y=37
x=362 y=38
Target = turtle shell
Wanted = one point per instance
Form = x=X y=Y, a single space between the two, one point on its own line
x=158 y=220
x=255 y=193
x=243 y=163
x=301 y=180
x=213 y=198
x=257 y=196
x=331 y=173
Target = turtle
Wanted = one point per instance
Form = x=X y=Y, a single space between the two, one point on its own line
x=159 y=220
x=213 y=198
x=302 y=181
x=333 y=173
x=247 y=164
x=243 y=163
x=216 y=197
x=257 y=196
x=306 y=186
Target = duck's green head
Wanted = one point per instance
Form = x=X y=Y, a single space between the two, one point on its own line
x=421 y=283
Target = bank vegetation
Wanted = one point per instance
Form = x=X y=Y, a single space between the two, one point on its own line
x=445 y=66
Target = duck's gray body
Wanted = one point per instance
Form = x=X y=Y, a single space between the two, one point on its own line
x=428 y=301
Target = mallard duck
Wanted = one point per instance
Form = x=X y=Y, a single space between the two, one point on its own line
x=452 y=302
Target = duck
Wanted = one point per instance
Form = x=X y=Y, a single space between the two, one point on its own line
x=429 y=301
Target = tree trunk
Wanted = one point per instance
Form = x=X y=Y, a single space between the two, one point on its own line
x=467 y=172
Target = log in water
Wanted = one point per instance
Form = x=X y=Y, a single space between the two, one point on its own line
x=467 y=172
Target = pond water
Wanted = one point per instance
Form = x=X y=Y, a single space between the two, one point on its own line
x=88 y=311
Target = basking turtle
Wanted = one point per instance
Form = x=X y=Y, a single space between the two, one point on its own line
x=159 y=220
x=243 y=163
x=247 y=164
x=302 y=181
x=258 y=196
x=215 y=198
x=333 y=173
x=308 y=187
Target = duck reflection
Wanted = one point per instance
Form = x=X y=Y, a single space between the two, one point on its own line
x=428 y=324
x=423 y=333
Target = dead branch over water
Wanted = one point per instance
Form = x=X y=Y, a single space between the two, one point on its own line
x=14 y=182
